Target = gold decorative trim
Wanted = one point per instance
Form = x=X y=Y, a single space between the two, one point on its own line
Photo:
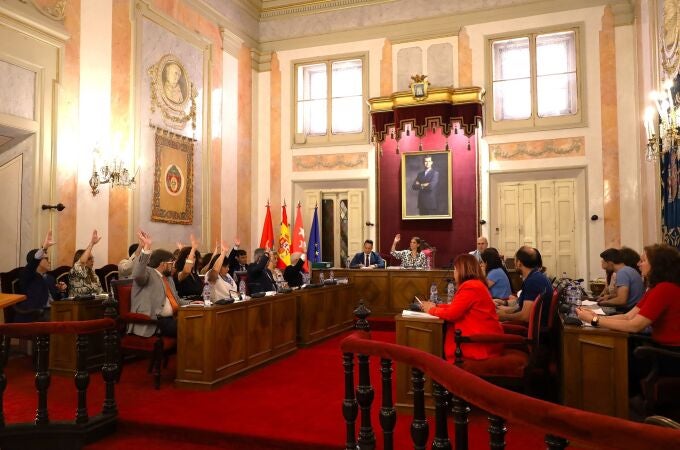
x=670 y=38
x=56 y=12
x=439 y=95
x=335 y=161
x=172 y=91
x=314 y=7
x=547 y=148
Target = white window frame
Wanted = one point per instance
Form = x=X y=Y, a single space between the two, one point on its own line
x=534 y=122
x=301 y=140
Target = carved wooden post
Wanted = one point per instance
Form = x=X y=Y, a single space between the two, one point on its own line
x=419 y=427
x=82 y=378
x=111 y=368
x=42 y=378
x=461 y=410
x=441 y=432
x=365 y=399
x=362 y=312
x=349 y=404
x=497 y=432
x=388 y=413
x=556 y=442
x=4 y=353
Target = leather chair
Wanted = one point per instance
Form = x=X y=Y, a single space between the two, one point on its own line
x=157 y=348
x=106 y=274
x=660 y=388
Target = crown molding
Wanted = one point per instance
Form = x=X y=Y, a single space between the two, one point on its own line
x=313 y=7
x=223 y=22
x=261 y=60
x=27 y=19
x=231 y=42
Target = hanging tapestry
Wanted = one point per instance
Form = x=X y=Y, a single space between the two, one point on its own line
x=173 y=186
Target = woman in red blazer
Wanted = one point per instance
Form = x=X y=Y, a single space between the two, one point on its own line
x=472 y=311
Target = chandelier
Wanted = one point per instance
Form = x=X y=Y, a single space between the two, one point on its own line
x=668 y=109
x=114 y=173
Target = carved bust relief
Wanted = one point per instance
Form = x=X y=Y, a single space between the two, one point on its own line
x=173 y=92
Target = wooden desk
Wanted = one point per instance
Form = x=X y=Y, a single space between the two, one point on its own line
x=221 y=341
x=7 y=300
x=595 y=370
x=323 y=312
x=63 y=346
x=423 y=334
x=388 y=291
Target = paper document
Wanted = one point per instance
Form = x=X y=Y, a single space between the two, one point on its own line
x=598 y=311
x=419 y=314
x=588 y=303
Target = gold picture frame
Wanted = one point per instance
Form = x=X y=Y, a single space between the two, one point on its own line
x=426 y=191
x=173 y=185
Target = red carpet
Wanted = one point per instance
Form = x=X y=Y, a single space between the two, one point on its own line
x=294 y=403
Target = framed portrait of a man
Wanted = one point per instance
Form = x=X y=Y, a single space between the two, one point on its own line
x=426 y=185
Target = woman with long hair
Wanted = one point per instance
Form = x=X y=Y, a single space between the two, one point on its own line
x=413 y=258
x=496 y=276
x=81 y=279
x=472 y=311
x=187 y=280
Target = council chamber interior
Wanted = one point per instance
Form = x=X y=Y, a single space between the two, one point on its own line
x=337 y=164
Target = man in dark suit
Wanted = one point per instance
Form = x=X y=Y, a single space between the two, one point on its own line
x=153 y=290
x=238 y=259
x=293 y=273
x=427 y=185
x=38 y=286
x=260 y=278
x=368 y=259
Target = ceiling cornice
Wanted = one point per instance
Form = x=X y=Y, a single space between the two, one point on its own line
x=313 y=7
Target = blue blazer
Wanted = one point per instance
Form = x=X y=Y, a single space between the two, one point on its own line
x=374 y=259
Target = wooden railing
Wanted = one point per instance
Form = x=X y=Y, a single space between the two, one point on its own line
x=43 y=433
x=456 y=390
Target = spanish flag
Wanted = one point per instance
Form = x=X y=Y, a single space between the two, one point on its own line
x=284 y=240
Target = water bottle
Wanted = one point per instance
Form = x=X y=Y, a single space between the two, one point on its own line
x=321 y=278
x=573 y=299
x=206 y=294
x=428 y=262
x=242 y=289
x=348 y=262
x=331 y=276
x=305 y=278
x=450 y=291
x=434 y=296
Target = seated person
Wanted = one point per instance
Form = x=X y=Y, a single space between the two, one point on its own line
x=482 y=244
x=125 y=265
x=528 y=262
x=187 y=280
x=629 y=285
x=293 y=273
x=39 y=287
x=273 y=266
x=153 y=290
x=659 y=307
x=413 y=258
x=368 y=259
x=81 y=279
x=472 y=312
x=496 y=276
x=238 y=259
x=219 y=279
x=260 y=278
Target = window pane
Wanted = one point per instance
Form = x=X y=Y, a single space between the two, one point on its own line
x=347 y=78
x=311 y=117
x=512 y=99
x=347 y=114
x=311 y=82
x=556 y=53
x=557 y=95
x=511 y=59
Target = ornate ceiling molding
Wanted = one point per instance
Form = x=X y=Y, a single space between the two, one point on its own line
x=313 y=7
x=54 y=12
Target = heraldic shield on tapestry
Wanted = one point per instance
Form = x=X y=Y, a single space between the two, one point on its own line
x=173 y=92
x=173 y=192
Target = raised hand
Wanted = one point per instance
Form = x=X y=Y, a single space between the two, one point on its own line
x=95 y=238
x=179 y=245
x=48 y=242
x=237 y=242
x=144 y=240
x=397 y=238
x=194 y=242
x=217 y=247
x=224 y=247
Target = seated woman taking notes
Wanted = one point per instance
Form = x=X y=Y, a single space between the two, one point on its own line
x=472 y=311
x=413 y=258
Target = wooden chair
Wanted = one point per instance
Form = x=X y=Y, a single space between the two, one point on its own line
x=106 y=274
x=514 y=367
x=242 y=275
x=157 y=348
x=61 y=274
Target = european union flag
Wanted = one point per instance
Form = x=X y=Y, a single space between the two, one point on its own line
x=314 y=245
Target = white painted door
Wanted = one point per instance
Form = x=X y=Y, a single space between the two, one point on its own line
x=10 y=219
x=355 y=221
x=508 y=226
x=565 y=227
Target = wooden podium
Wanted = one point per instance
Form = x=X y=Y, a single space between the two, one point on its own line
x=422 y=334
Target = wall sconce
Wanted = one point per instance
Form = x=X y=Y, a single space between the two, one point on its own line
x=667 y=138
x=114 y=173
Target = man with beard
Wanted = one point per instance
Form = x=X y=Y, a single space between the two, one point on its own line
x=153 y=291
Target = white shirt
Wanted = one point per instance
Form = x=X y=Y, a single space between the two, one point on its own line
x=167 y=308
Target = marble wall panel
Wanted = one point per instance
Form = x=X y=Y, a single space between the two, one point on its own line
x=544 y=148
x=336 y=161
x=409 y=62
x=440 y=65
x=17 y=91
